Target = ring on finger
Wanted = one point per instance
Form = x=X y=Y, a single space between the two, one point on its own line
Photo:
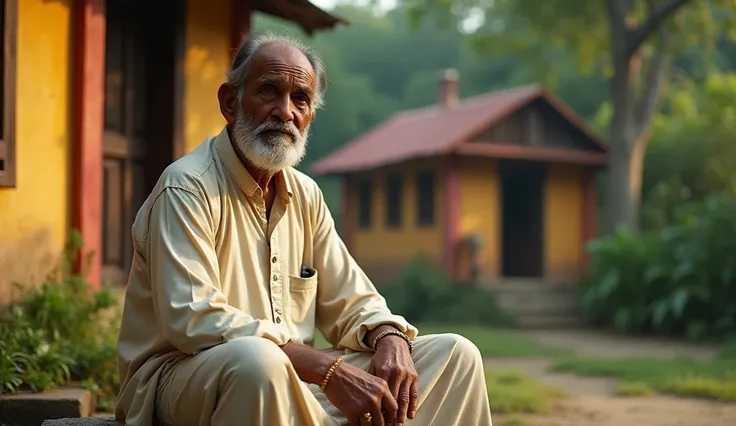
x=367 y=417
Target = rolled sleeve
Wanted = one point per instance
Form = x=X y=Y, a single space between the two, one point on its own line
x=349 y=306
x=191 y=310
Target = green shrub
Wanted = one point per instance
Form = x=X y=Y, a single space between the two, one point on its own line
x=680 y=280
x=425 y=294
x=61 y=331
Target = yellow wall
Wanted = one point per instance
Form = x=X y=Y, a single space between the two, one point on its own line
x=479 y=212
x=208 y=58
x=563 y=222
x=382 y=250
x=34 y=216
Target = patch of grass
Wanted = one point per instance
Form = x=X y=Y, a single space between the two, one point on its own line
x=515 y=392
x=728 y=351
x=634 y=389
x=491 y=342
x=701 y=387
x=513 y=420
x=681 y=376
x=495 y=342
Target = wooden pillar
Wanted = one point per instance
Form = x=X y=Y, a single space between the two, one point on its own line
x=88 y=114
x=590 y=212
x=451 y=207
x=240 y=25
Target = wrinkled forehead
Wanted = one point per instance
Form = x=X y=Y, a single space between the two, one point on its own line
x=284 y=64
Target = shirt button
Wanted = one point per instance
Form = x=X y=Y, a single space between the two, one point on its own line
x=274 y=259
x=278 y=320
x=275 y=278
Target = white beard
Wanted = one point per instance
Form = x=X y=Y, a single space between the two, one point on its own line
x=269 y=152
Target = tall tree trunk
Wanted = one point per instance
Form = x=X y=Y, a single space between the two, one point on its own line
x=624 y=180
x=632 y=115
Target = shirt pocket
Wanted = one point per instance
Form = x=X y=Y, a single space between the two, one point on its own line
x=303 y=299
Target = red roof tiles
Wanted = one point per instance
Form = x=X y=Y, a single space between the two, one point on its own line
x=434 y=130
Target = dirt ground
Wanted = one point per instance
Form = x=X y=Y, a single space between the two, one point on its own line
x=591 y=401
x=642 y=411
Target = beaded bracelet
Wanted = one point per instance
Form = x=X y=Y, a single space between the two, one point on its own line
x=330 y=372
x=383 y=334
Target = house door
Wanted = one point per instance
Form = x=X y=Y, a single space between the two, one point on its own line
x=143 y=97
x=522 y=193
x=124 y=143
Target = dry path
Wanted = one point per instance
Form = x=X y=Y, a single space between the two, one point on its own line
x=603 y=344
x=591 y=400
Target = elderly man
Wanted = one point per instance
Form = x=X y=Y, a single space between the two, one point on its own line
x=237 y=263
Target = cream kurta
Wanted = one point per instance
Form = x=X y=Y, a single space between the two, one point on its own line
x=210 y=268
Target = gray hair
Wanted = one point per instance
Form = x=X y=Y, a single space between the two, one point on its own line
x=244 y=57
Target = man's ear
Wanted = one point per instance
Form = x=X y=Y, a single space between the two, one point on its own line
x=228 y=102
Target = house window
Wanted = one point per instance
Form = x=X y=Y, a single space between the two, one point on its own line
x=365 y=204
x=9 y=21
x=393 y=200
x=425 y=198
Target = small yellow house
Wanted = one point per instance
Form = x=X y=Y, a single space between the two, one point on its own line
x=97 y=98
x=497 y=186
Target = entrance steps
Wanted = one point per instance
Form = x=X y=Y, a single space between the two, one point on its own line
x=538 y=303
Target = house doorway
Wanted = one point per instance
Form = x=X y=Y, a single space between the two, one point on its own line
x=139 y=119
x=522 y=194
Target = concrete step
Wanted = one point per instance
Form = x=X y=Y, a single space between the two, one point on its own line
x=533 y=287
x=541 y=309
x=31 y=409
x=514 y=298
x=91 y=421
x=538 y=303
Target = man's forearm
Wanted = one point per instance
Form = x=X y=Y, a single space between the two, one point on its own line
x=310 y=364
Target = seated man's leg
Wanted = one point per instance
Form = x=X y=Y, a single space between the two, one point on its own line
x=244 y=381
x=452 y=385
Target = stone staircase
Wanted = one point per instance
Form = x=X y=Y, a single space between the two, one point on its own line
x=536 y=303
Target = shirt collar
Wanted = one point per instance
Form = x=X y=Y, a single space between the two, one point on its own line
x=240 y=174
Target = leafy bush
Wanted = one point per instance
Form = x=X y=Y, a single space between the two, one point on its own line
x=425 y=294
x=60 y=332
x=680 y=280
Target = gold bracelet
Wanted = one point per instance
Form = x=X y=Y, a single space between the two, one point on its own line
x=330 y=372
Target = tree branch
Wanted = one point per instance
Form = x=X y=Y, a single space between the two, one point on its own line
x=657 y=72
x=655 y=19
x=617 y=10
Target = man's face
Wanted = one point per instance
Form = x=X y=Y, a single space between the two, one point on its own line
x=276 y=108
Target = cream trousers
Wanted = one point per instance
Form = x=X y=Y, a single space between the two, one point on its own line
x=250 y=381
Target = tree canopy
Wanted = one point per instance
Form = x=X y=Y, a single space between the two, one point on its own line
x=382 y=64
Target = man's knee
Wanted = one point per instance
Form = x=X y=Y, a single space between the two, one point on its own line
x=460 y=349
x=251 y=361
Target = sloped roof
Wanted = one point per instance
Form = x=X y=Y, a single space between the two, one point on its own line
x=436 y=130
x=303 y=12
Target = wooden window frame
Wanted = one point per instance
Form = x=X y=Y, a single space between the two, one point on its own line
x=365 y=204
x=394 y=200
x=425 y=185
x=7 y=138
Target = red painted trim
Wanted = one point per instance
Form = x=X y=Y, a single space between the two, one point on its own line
x=590 y=215
x=347 y=225
x=240 y=22
x=451 y=207
x=88 y=114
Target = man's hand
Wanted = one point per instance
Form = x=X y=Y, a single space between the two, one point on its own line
x=392 y=362
x=355 y=393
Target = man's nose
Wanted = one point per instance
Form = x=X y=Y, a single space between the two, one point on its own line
x=283 y=110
